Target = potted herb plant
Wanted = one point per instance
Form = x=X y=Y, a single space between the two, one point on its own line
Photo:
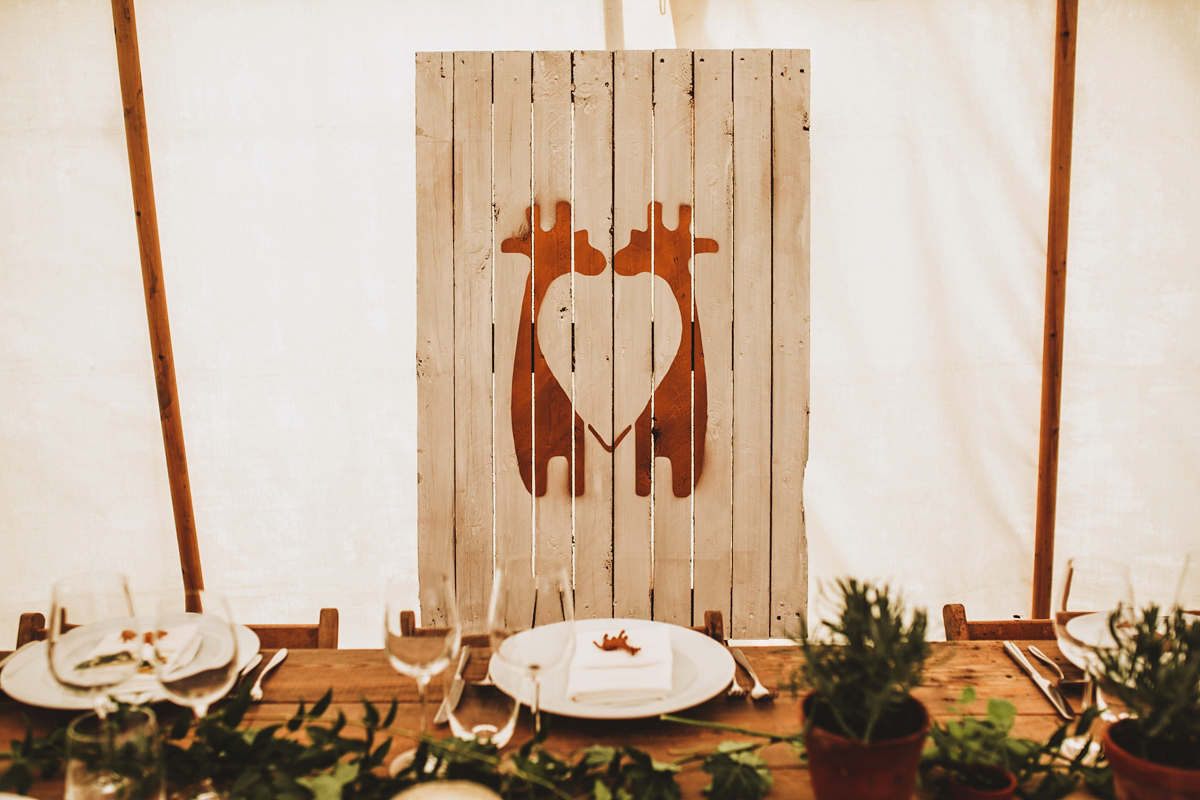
x=968 y=757
x=863 y=729
x=978 y=758
x=1155 y=672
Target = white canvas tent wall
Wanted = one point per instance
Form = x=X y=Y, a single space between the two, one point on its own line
x=282 y=141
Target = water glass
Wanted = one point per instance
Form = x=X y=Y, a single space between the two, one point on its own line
x=114 y=757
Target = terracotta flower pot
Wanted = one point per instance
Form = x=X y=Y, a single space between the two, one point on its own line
x=960 y=791
x=1135 y=778
x=846 y=769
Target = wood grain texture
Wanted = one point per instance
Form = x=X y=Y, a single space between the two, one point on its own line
x=1062 y=126
x=513 y=169
x=553 y=530
x=592 y=189
x=137 y=140
x=789 y=339
x=672 y=413
x=752 y=344
x=473 y=333
x=713 y=181
x=633 y=191
x=435 y=316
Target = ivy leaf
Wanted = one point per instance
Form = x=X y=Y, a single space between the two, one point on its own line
x=648 y=778
x=328 y=786
x=322 y=704
x=738 y=772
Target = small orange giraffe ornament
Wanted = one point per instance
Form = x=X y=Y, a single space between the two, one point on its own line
x=618 y=642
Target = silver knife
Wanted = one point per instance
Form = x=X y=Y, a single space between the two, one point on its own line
x=1052 y=694
x=455 y=691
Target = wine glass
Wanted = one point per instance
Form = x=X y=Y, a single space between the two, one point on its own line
x=478 y=710
x=422 y=653
x=93 y=642
x=521 y=602
x=1187 y=591
x=195 y=653
x=1094 y=588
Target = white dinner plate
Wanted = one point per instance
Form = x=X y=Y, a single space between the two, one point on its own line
x=701 y=668
x=27 y=677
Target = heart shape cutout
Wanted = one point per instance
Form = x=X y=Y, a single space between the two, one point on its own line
x=628 y=305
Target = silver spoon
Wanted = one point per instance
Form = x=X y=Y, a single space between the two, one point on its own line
x=1063 y=681
x=1048 y=661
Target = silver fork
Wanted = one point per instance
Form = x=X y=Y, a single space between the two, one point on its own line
x=758 y=692
x=735 y=689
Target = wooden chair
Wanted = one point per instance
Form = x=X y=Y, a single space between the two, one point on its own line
x=714 y=626
x=960 y=629
x=324 y=635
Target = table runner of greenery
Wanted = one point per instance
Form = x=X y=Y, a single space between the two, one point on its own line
x=329 y=762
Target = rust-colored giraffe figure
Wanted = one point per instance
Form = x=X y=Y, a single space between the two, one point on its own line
x=672 y=428
x=556 y=423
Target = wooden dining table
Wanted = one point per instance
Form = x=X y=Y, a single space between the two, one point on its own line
x=357 y=675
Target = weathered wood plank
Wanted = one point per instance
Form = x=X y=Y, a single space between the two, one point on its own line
x=473 y=332
x=672 y=399
x=553 y=544
x=752 y=343
x=593 y=287
x=714 y=303
x=790 y=340
x=632 y=195
x=435 y=317
x=511 y=141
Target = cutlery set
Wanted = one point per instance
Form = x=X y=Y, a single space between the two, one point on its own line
x=1050 y=690
x=758 y=691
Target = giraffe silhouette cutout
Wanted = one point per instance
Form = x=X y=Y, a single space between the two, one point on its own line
x=666 y=434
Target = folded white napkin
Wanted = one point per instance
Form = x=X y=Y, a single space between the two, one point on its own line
x=178 y=646
x=615 y=677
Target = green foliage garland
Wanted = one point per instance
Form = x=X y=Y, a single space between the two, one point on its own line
x=327 y=762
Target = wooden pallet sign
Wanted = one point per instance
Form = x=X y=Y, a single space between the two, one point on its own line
x=613 y=326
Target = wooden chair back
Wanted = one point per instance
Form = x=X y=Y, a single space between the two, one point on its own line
x=602 y=366
x=32 y=627
x=960 y=629
x=714 y=626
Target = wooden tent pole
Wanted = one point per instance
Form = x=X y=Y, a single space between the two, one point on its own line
x=138 y=142
x=1056 y=283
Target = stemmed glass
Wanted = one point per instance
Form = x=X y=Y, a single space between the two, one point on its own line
x=422 y=653
x=94 y=642
x=195 y=656
x=1092 y=589
x=522 y=601
x=195 y=653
